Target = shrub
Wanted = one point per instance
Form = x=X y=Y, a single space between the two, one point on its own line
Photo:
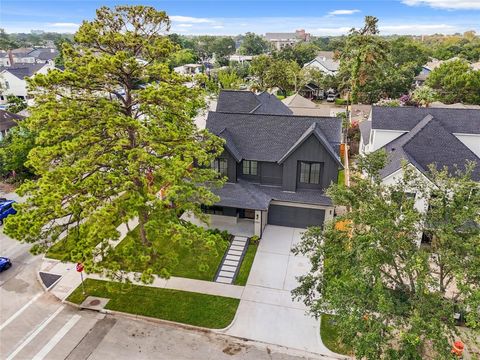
x=341 y=101
x=254 y=240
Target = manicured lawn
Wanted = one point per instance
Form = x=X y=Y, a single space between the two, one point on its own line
x=246 y=265
x=330 y=335
x=188 y=259
x=208 y=311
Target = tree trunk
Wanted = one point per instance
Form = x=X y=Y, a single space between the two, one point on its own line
x=142 y=220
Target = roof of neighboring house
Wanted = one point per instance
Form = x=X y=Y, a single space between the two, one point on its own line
x=44 y=53
x=329 y=64
x=237 y=101
x=24 y=70
x=326 y=54
x=8 y=120
x=297 y=100
x=247 y=195
x=429 y=142
x=365 y=128
x=438 y=104
x=265 y=137
x=405 y=118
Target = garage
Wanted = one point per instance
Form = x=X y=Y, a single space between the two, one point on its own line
x=295 y=216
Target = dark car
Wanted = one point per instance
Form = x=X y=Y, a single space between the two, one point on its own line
x=5 y=263
x=6 y=209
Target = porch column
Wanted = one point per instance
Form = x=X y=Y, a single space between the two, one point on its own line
x=258 y=223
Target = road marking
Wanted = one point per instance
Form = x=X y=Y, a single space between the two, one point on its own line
x=24 y=307
x=35 y=333
x=56 y=339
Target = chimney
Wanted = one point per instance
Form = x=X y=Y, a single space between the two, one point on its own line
x=10 y=57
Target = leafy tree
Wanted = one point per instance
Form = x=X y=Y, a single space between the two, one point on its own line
x=182 y=41
x=15 y=104
x=283 y=74
x=393 y=299
x=6 y=42
x=253 y=44
x=229 y=79
x=454 y=81
x=301 y=53
x=182 y=57
x=116 y=140
x=362 y=58
x=259 y=67
x=424 y=95
x=14 y=150
x=207 y=46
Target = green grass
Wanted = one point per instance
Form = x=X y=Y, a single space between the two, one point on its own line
x=341 y=177
x=208 y=311
x=330 y=335
x=188 y=260
x=62 y=250
x=246 y=265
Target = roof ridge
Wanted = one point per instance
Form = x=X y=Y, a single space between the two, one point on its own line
x=289 y=115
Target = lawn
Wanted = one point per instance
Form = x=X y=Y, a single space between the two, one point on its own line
x=246 y=265
x=62 y=250
x=214 y=312
x=330 y=335
x=341 y=177
x=188 y=258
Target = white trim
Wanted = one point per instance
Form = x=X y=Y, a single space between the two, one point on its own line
x=301 y=205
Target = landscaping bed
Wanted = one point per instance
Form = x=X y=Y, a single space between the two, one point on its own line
x=214 y=312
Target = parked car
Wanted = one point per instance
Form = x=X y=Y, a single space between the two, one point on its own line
x=6 y=209
x=332 y=97
x=5 y=263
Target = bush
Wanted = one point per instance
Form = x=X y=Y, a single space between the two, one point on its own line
x=341 y=101
x=254 y=240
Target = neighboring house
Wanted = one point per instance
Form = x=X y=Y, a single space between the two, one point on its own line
x=4 y=58
x=327 y=65
x=312 y=91
x=277 y=166
x=12 y=79
x=240 y=58
x=420 y=137
x=281 y=40
x=8 y=120
x=420 y=79
x=305 y=107
x=247 y=102
x=44 y=55
x=188 y=69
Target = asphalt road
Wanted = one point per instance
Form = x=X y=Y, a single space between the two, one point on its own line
x=36 y=325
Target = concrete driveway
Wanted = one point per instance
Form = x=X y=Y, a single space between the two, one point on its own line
x=267 y=312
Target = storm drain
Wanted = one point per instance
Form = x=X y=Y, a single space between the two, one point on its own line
x=48 y=279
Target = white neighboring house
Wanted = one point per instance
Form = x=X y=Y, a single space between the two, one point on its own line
x=446 y=137
x=325 y=63
x=12 y=79
x=4 y=58
x=240 y=58
x=188 y=69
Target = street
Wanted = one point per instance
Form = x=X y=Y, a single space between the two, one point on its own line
x=36 y=325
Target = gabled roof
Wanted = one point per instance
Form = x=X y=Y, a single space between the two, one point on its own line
x=405 y=118
x=265 y=137
x=24 y=70
x=8 y=120
x=44 y=53
x=236 y=101
x=365 y=128
x=329 y=64
x=297 y=100
x=429 y=142
x=313 y=130
x=230 y=144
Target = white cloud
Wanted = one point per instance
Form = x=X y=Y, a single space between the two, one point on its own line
x=65 y=25
x=417 y=29
x=189 y=19
x=343 y=12
x=445 y=4
x=331 y=31
x=184 y=25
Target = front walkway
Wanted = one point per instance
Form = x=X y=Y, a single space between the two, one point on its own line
x=267 y=312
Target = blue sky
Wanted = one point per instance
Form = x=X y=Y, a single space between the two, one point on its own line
x=230 y=17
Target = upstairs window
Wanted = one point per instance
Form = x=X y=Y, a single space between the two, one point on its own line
x=220 y=165
x=249 y=167
x=310 y=172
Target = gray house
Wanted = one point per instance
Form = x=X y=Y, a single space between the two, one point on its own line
x=278 y=167
x=236 y=101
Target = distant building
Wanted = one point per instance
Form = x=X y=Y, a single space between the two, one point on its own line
x=28 y=56
x=188 y=69
x=324 y=62
x=281 y=40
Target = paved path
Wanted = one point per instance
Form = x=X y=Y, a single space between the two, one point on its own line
x=232 y=261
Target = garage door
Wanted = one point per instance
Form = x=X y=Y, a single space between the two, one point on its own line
x=295 y=216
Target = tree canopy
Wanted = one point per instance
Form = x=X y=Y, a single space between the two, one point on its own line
x=253 y=44
x=115 y=140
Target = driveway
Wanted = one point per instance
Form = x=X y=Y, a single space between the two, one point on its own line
x=267 y=312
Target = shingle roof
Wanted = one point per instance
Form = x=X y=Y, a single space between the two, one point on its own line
x=329 y=64
x=265 y=137
x=44 y=53
x=405 y=118
x=230 y=144
x=235 y=101
x=429 y=142
x=365 y=128
x=8 y=120
x=246 y=195
x=297 y=100
x=22 y=71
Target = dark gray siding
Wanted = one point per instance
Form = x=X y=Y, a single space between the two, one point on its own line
x=295 y=216
x=310 y=150
x=271 y=173
x=232 y=166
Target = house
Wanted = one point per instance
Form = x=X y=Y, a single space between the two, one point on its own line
x=277 y=166
x=312 y=91
x=281 y=40
x=188 y=69
x=420 y=79
x=4 y=58
x=238 y=101
x=240 y=58
x=44 y=55
x=8 y=120
x=13 y=79
x=304 y=107
x=446 y=137
x=327 y=65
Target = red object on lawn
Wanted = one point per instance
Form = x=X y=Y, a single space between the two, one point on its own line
x=457 y=348
x=79 y=267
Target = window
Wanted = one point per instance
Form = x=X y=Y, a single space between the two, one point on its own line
x=220 y=165
x=249 y=167
x=309 y=173
x=213 y=210
x=7 y=85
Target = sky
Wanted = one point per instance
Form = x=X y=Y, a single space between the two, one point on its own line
x=232 y=17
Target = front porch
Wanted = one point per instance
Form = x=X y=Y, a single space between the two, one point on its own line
x=233 y=224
